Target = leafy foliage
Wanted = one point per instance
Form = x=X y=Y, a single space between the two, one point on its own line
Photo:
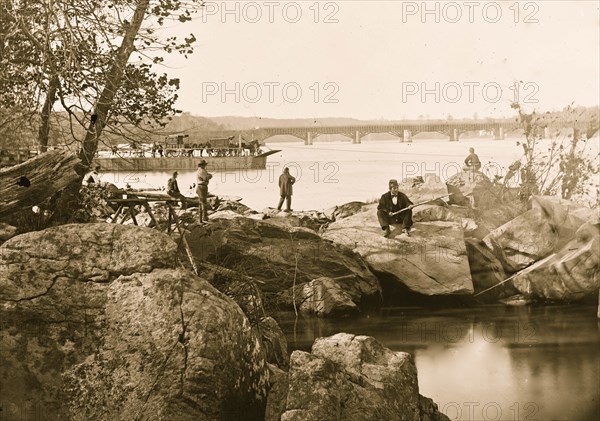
x=564 y=165
x=75 y=44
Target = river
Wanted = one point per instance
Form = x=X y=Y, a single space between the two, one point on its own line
x=330 y=174
x=480 y=363
x=490 y=362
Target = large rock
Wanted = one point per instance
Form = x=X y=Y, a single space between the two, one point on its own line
x=471 y=189
x=7 y=231
x=343 y=211
x=544 y=229
x=98 y=323
x=432 y=261
x=274 y=255
x=567 y=275
x=421 y=189
x=350 y=378
x=486 y=272
x=323 y=297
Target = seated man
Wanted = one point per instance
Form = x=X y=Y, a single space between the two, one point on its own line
x=93 y=177
x=472 y=161
x=392 y=202
x=173 y=190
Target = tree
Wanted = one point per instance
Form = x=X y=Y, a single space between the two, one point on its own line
x=59 y=55
x=73 y=60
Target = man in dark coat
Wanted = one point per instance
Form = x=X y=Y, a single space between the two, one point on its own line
x=173 y=190
x=390 y=203
x=285 y=189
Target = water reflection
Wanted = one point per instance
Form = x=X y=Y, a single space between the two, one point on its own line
x=488 y=363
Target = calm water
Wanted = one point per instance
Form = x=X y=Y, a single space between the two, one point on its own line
x=488 y=363
x=330 y=174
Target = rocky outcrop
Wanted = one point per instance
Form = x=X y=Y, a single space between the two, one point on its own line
x=323 y=297
x=349 y=378
x=472 y=189
x=344 y=211
x=486 y=271
x=7 y=231
x=567 y=275
x=432 y=261
x=98 y=323
x=275 y=255
x=537 y=233
x=420 y=189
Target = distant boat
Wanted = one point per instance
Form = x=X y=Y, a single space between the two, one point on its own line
x=221 y=154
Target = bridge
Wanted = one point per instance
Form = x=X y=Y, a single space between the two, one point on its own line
x=403 y=130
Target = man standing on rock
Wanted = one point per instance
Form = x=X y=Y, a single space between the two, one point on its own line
x=202 y=177
x=285 y=189
x=392 y=202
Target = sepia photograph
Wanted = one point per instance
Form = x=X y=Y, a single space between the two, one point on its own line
x=303 y=210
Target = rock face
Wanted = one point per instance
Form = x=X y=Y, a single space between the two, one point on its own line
x=98 y=324
x=421 y=189
x=6 y=232
x=537 y=233
x=323 y=297
x=267 y=252
x=471 y=189
x=349 y=378
x=432 y=261
x=569 y=274
x=486 y=271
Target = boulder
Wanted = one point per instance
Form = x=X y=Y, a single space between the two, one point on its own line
x=274 y=342
x=232 y=205
x=426 y=213
x=274 y=254
x=472 y=189
x=420 y=189
x=323 y=297
x=350 y=378
x=7 y=231
x=98 y=323
x=343 y=211
x=537 y=233
x=486 y=271
x=432 y=261
x=565 y=216
x=567 y=275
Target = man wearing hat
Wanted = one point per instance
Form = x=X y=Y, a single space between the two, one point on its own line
x=392 y=202
x=286 y=182
x=93 y=177
x=173 y=190
x=202 y=179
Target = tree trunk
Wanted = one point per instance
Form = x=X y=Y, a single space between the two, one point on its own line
x=30 y=183
x=69 y=197
x=45 y=123
x=113 y=82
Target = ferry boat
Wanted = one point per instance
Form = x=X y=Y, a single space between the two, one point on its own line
x=178 y=153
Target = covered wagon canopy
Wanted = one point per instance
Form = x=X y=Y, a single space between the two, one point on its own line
x=222 y=142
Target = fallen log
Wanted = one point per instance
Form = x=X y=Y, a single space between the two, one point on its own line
x=31 y=182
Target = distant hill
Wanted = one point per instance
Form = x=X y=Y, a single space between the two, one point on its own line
x=244 y=123
x=249 y=123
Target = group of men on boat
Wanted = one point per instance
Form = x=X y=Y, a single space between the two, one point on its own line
x=230 y=149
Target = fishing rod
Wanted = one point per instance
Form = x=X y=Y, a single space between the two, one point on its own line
x=498 y=284
x=424 y=202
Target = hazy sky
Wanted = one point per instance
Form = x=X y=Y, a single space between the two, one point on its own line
x=389 y=59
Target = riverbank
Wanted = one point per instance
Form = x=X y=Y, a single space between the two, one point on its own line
x=142 y=305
